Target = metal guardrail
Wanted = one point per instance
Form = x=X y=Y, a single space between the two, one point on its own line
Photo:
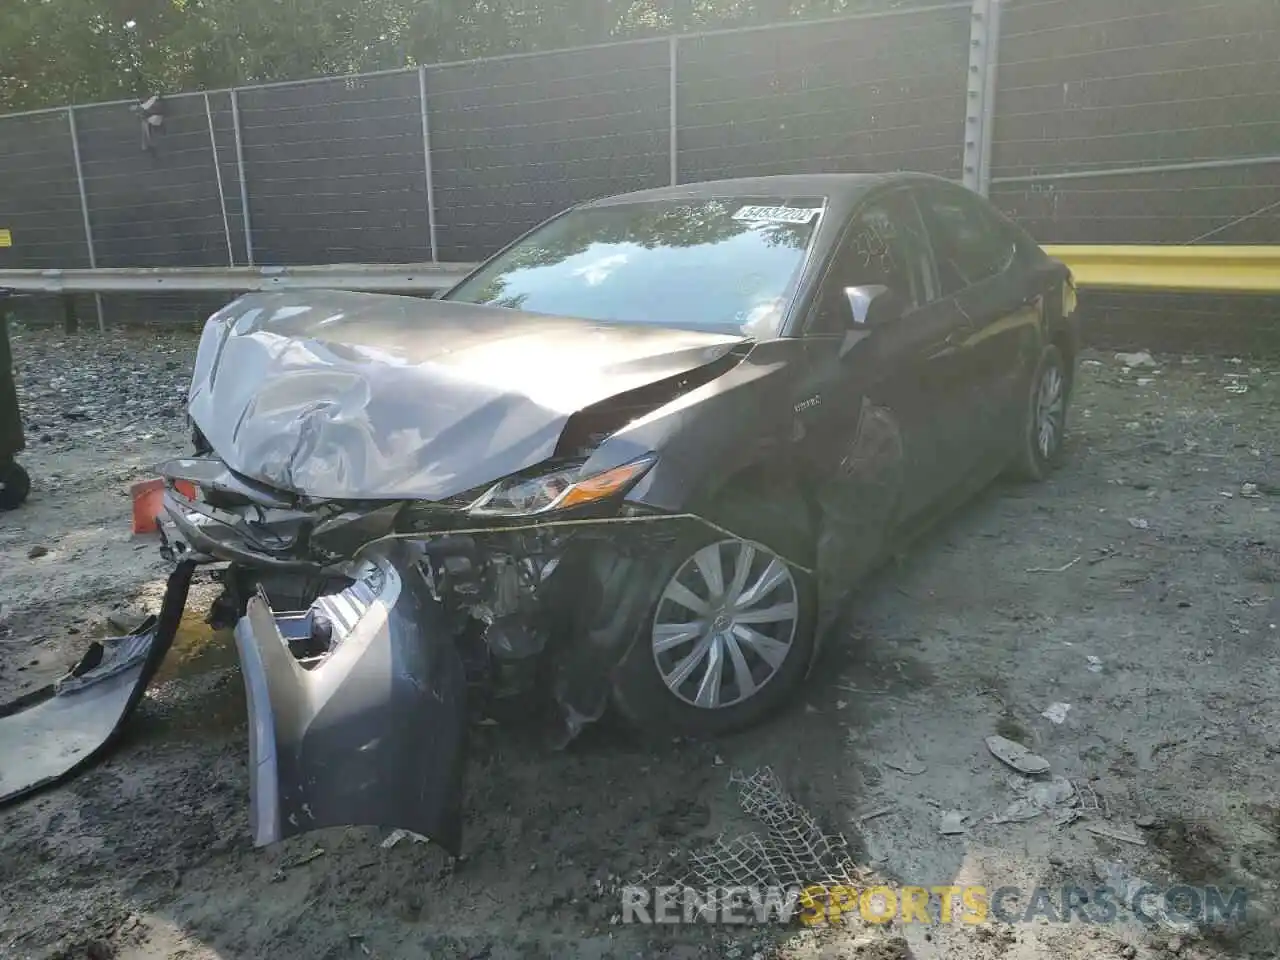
x=382 y=278
x=1180 y=269
x=1206 y=269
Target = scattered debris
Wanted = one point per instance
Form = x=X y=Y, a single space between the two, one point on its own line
x=1056 y=712
x=1095 y=664
x=793 y=849
x=1110 y=833
x=952 y=823
x=1044 y=796
x=1089 y=800
x=127 y=619
x=1140 y=359
x=1129 y=889
x=879 y=812
x=1138 y=523
x=1052 y=793
x=315 y=854
x=908 y=764
x=1016 y=755
x=1019 y=811
x=1061 y=569
x=398 y=834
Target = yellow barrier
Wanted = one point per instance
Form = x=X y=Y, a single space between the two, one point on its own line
x=1206 y=269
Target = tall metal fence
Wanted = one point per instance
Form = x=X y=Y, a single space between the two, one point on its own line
x=1105 y=121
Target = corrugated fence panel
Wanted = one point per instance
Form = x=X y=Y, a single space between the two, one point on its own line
x=39 y=200
x=224 y=136
x=1095 y=84
x=152 y=207
x=515 y=141
x=1085 y=84
x=335 y=171
x=859 y=95
x=1221 y=205
x=156 y=207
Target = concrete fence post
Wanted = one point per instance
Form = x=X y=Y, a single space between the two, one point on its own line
x=980 y=94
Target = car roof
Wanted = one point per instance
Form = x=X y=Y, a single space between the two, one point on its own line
x=839 y=188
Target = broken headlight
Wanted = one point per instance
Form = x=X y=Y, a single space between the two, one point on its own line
x=558 y=489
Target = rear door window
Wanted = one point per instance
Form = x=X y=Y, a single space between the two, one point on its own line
x=970 y=243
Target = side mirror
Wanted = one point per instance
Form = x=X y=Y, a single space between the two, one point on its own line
x=874 y=305
x=869 y=307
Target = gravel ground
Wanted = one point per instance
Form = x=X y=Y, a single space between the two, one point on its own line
x=1138 y=586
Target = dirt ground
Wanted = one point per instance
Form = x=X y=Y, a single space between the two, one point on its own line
x=1138 y=586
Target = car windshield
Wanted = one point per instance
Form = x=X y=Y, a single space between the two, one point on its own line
x=728 y=264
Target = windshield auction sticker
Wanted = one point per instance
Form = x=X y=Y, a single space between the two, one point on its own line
x=758 y=214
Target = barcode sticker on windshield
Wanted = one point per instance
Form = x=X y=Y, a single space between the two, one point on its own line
x=777 y=214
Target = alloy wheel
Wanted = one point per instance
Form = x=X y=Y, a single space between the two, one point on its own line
x=725 y=623
x=1050 y=411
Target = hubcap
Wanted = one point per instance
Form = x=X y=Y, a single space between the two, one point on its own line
x=1050 y=406
x=724 y=624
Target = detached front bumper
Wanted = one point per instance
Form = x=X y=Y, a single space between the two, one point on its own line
x=371 y=731
x=49 y=734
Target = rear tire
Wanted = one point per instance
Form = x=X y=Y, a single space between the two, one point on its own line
x=645 y=690
x=1043 y=421
x=15 y=485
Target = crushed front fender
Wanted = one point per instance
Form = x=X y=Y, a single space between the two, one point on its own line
x=374 y=732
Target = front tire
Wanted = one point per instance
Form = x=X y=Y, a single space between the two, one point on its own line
x=1043 y=423
x=728 y=634
x=15 y=485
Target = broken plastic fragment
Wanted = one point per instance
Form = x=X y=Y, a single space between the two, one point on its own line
x=1016 y=755
x=952 y=823
x=1140 y=359
x=908 y=764
x=1056 y=712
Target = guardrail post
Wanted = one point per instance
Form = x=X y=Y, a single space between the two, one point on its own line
x=674 y=115
x=426 y=164
x=979 y=104
x=244 y=185
x=69 y=313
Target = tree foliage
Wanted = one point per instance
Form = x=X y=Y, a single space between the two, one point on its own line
x=75 y=51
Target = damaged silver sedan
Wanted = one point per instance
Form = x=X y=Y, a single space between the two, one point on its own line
x=637 y=461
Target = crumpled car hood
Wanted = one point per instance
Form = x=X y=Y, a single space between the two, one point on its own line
x=358 y=396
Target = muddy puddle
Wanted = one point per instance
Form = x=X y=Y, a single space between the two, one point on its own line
x=197 y=691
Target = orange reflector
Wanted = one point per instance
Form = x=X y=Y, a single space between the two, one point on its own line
x=602 y=484
x=148 y=502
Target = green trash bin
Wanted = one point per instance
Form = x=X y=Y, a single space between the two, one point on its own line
x=14 y=482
